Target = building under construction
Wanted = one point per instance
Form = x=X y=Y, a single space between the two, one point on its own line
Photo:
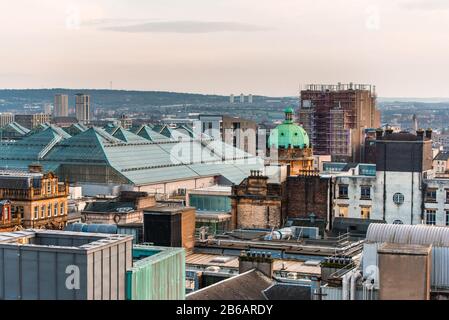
x=336 y=116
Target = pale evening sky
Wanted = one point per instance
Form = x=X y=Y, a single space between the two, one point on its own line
x=266 y=47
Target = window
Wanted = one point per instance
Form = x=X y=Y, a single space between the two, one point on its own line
x=61 y=209
x=343 y=211
x=431 y=216
x=365 y=192
x=398 y=198
x=49 y=210
x=431 y=195
x=48 y=187
x=55 y=209
x=365 y=212
x=343 y=191
x=447 y=195
x=7 y=213
x=447 y=217
x=43 y=210
x=36 y=212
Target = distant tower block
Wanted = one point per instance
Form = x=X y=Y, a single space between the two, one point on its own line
x=242 y=98
x=231 y=98
x=250 y=98
x=415 y=123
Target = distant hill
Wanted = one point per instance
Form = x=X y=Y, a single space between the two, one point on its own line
x=110 y=98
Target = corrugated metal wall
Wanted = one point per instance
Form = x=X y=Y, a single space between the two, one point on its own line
x=335 y=293
x=158 y=277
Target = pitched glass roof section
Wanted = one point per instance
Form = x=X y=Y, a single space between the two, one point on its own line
x=147 y=133
x=85 y=147
x=137 y=160
x=75 y=129
x=14 y=126
x=127 y=136
x=30 y=147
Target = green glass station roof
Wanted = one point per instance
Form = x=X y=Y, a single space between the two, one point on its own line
x=144 y=157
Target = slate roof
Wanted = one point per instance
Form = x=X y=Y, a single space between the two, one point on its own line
x=442 y=156
x=287 y=291
x=108 y=206
x=246 y=286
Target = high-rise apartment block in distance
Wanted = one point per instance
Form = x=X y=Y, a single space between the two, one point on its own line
x=250 y=98
x=6 y=118
x=242 y=98
x=61 y=106
x=231 y=99
x=82 y=108
x=336 y=116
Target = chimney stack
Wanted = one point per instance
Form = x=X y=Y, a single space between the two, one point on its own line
x=262 y=261
x=379 y=134
x=420 y=133
x=429 y=133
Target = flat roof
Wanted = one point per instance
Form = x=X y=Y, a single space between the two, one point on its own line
x=212 y=189
x=405 y=249
x=55 y=240
x=232 y=262
x=166 y=209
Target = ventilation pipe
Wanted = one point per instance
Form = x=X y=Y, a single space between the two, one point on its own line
x=355 y=276
x=345 y=285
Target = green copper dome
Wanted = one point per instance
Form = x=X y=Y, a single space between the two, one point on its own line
x=288 y=134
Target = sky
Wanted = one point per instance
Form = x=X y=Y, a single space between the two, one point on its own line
x=267 y=47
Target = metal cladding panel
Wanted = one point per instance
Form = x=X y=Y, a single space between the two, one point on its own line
x=11 y=278
x=106 y=273
x=331 y=293
x=114 y=268
x=158 y=277
x=30 y=275
x=98 y=294
x=121 y=271
x=47 y=279
x=440 y=271
x=90 y=276
x=407 y=234
x=336 y=293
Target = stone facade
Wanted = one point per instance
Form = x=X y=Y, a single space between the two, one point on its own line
x=257 y=203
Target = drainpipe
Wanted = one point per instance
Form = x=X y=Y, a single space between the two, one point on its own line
x=345 y=285
x=355 y=275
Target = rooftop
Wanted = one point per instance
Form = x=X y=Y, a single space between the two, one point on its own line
x=60 y=240
x=246 y=286
x=155 y=157
x=212 y=189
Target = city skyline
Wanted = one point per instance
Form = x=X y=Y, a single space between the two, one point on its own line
x=257 y=47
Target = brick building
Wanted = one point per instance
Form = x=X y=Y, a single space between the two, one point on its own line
x=309 y=199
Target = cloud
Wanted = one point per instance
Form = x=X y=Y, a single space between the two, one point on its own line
x=145 y=26
x=424 y=5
